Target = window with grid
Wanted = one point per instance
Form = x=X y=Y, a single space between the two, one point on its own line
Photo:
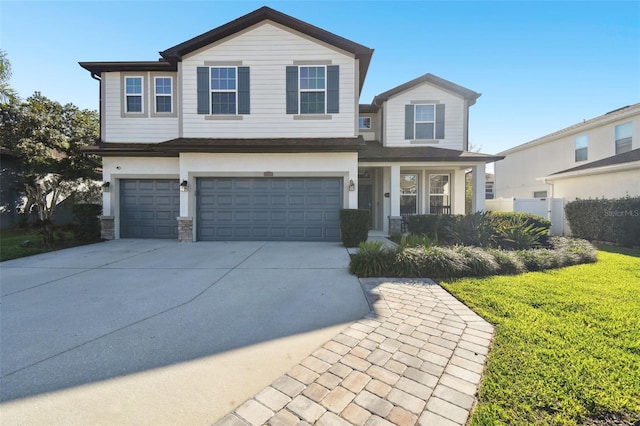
x=164 y=94
x=439 y=194
x=312 y=90
x=223 y=90
x=133 y=94
x=364 y=123
x=623 y=137
x=582 y=148
x=408 y=194
x=425 y=121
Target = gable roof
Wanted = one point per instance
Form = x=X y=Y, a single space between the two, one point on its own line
x=362 y=53
x=467 y=94
x=627 y=157
x=616 y=114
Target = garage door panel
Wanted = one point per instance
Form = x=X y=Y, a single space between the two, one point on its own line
x=149 y=208
x=277 y=208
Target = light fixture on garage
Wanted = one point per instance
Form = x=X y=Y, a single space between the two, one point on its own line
x=105 y=186
x=352 y=186
x=184 y=186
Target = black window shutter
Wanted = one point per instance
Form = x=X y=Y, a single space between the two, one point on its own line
x=244 y=99
x=440 y=121
x=409 y=116
x=292 y=90
x=333 y=89
x=203 y=90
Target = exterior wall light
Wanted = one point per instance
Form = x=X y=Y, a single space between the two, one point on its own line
x=352 y=186
x=184 y=186
x=106 y=186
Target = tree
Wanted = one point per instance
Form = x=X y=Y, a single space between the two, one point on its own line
x=47 y=137
x=7 y=94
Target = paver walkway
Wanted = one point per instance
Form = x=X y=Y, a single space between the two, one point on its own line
x=416 y=358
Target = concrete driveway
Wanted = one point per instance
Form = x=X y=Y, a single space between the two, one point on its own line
x=159 y=332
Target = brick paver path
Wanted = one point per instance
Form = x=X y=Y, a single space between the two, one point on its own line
x=417 y=358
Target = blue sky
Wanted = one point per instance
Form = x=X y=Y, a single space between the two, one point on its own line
x=540 y=66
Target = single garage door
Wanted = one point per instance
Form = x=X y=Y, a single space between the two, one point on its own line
x=149 y=208
x=289 y=209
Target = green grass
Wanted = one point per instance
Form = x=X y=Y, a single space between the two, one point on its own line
x=567 y=342
x=12 y=244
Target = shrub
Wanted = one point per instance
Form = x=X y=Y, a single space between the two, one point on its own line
x=87 y=224
x=480 y=262
x=509 y=263
x=612 y=220
x=433 y=226
x=415 y=240
x=478 y=229
x=354 y=226
x=574 y=250
x=516 y=233
x=528 y=218
x=443 y=262
x=371 y=260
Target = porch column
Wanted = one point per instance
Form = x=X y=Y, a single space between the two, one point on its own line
x=459 y=198
x=395 y=220
x=477 y=183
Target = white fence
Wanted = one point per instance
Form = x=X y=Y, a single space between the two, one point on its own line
x=551 y=208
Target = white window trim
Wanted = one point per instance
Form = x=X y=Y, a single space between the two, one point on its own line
x=127 y=94
x=212 y=90
x=417 y=190
x=416 y=122
x=576 y=148
x=155 y=98
x=615 y=137
x=301 y=90
x=430 y=194
x=366 y=119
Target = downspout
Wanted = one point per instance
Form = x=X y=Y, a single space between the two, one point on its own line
x=96 y=77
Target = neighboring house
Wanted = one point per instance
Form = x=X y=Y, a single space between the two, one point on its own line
x=596 y=158
x=253 y=131
x=489 y=186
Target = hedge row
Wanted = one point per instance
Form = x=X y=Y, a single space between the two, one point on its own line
x=374 y=260
x=615 y=220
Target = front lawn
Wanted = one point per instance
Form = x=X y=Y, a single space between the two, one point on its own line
x=567 y=343
x=16 y=243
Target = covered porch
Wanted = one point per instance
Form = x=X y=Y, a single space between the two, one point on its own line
x=396 y=183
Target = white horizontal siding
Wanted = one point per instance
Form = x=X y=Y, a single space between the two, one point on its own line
x=267 y=49
x=133 y=129
x=454 y=121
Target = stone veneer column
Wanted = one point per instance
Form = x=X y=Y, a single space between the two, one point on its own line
x=185 y=229
x=395 y=225
x=107 y=228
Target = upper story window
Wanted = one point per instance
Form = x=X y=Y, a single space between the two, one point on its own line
x=163 y=94
x=623 y=137
x=223 y=90
x=364 y=123
x=313 y=89
x=424 y=121
x=582 y=148
x=133 y=94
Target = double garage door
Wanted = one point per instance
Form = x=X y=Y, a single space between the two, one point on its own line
x=287 y=209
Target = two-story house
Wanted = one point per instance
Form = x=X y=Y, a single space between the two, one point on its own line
x=597 y=158
x=253 y=131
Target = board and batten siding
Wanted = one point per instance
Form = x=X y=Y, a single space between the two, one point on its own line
x=454 y=124
x=267 y=49
x=147 y=129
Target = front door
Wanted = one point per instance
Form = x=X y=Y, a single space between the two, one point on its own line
x=365 y=201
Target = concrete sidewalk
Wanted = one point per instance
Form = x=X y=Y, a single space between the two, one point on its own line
x=417 y=358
